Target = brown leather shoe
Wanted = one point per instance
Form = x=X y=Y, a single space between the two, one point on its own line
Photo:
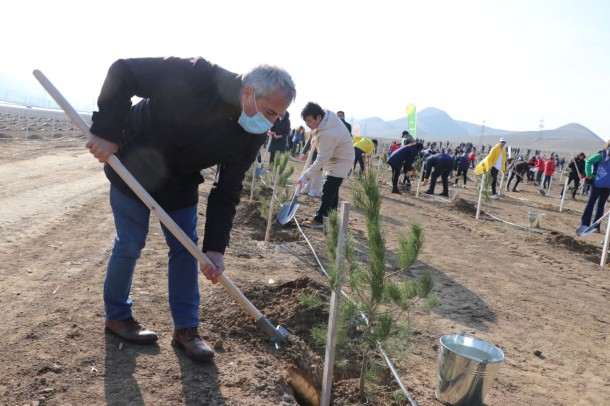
x=195 y=347
x=132 y=331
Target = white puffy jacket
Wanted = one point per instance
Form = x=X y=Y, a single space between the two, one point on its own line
x=335 y=149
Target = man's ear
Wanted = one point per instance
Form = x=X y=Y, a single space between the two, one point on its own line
x=246 y=92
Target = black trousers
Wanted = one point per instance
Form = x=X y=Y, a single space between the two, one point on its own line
x=494 y=180
x=573 y=177
x=444 y=175
x=330 y=197
x=510 y=179
x=464 y=173
x=359 y=159
x=395 y=176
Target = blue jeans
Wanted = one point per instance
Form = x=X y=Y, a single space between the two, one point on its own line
x=598 y=196
x=131 y=219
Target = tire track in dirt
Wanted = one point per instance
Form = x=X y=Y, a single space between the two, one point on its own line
x=38 y=192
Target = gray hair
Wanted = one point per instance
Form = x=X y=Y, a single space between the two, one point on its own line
x=267 y=79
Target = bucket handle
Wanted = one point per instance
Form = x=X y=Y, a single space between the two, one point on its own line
x=474 y=388
x=463 y=334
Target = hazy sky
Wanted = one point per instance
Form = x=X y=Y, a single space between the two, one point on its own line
x=509 y=63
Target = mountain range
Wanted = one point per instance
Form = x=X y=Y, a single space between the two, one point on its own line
x=436 y=125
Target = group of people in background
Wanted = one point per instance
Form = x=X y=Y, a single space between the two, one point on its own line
x=593 y=173
x=339 y=154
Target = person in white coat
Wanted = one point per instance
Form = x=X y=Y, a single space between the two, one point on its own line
x=335 y=156
x=313 y=187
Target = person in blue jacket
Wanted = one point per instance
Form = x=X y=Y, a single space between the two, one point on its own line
x=278 y=136
x=462 y=163
x=438 y=165
x=192 y=115
x=403 y=157
x=597 y=171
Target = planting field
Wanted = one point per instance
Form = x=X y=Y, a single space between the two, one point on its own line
x=538 y=294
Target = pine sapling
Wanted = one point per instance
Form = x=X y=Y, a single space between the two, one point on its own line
x=381 y=301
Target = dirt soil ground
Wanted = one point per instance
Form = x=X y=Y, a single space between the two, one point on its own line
x=539 y=295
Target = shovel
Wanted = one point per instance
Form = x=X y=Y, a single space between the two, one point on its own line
x=277 y=334
x=260 y=170
x=287 y=211
x=584 y=230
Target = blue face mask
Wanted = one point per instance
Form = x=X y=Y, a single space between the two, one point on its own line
x=257 y=124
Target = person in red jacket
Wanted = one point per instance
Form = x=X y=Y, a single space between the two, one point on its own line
x=549 y=170
x=472 y=159
x=393 y=147
x=539 y=170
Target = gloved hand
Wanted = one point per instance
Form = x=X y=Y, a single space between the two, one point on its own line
x=411 y=172
x=212 y=272
x=303 y=180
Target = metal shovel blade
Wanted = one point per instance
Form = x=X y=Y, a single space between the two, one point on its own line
x=259 y=171
x=542 y=192
x=282 y=332
x=584 y=230
x=276 y=334
x=287 y=211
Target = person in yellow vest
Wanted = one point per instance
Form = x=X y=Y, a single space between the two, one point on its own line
x=362 y=146
x=494 y=162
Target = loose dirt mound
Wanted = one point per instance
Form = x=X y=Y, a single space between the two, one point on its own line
x=568 y=242
x=463 y=206
x=249 y=216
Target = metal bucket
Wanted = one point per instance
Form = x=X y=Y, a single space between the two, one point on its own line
x=467 y=369
x=534 y=219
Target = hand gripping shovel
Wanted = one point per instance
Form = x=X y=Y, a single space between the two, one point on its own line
x=277 y=334
x=287 y=211
x=584 y=230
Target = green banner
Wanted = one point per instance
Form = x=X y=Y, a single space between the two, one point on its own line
x=412 y=120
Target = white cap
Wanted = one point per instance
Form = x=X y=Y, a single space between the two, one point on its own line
x=502 y=139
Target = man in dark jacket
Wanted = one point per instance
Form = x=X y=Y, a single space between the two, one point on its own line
x=462 y=163
x=278 y=135
x=403 y=158
x=519 y=169
x=193 y=115
x=437 y=165
x=577 y=172
x=341 y=115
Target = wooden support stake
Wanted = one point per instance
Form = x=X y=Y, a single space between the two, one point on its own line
x=480 y=195
x=254 y=165
x=563 y=195
x=333 y=318
x=419 y=175
x=270 y=217
x=501 y=182
x=605 y=249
